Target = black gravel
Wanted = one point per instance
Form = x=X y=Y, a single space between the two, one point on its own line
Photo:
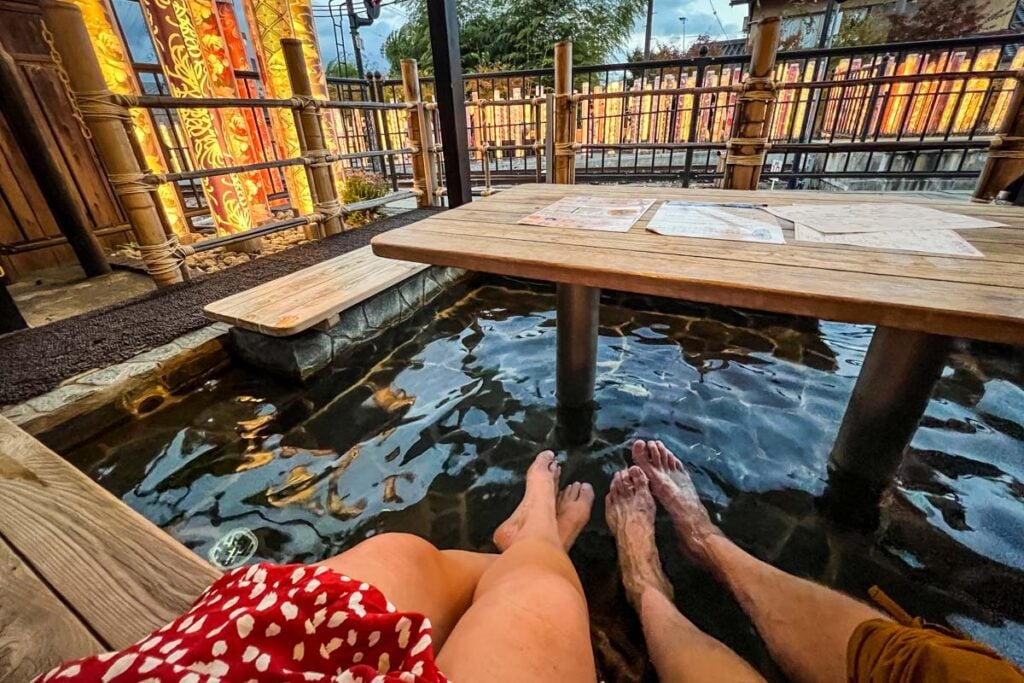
x=36 y=360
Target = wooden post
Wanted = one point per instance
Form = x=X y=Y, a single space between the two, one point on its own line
x=417 y=117
x=450 y=94
x=748 y=142
x=41 y=155
x=311 y=138
x=564 y=127
x=10 y=316
x=105 y=120
x=1005 y=162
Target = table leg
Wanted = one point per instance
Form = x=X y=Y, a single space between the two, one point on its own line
x=578 y=313
x=888 y=401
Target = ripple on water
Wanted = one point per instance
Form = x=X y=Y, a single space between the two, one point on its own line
x=434 y=438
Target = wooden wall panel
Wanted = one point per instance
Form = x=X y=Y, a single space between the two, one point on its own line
x=24 y=215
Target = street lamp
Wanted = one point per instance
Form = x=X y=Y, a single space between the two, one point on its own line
x=683 y=19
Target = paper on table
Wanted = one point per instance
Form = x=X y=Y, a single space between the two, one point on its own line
x=591 y=213
x=871 y=217
x=945 y=242
x=683 y=219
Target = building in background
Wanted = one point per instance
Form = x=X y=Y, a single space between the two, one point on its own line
x=826 y=23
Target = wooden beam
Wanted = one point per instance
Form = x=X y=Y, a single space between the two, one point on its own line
x=124 y=576
x=443 y=21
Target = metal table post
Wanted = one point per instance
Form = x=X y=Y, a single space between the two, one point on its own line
x=578 y=315
x=888 y=401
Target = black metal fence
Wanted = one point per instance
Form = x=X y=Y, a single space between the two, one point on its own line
x=907 y=116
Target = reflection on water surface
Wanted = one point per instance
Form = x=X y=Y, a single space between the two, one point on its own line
x=430 y=431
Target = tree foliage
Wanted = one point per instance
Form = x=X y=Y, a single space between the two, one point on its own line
x=940 y=19
x=520 y=34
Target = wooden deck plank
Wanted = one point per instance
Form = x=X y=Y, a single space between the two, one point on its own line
x=37 y=631
x=980 y=297
x=124 y=576
x=306 y=298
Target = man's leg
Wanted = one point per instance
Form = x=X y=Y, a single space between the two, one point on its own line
x=529 y=620
x=680 y=651
x=806 y=626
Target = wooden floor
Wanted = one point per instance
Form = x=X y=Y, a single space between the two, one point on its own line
x=311 y=296
x=982 y=298
x=81 y=572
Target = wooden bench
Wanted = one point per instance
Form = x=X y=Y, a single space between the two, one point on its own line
x=312 y=297
x=81 y=571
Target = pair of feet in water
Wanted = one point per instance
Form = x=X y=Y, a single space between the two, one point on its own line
x=629 y=510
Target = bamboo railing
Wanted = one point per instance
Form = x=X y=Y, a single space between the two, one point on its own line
x=107 y=118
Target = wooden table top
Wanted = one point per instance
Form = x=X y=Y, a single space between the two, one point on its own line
x=981 y=298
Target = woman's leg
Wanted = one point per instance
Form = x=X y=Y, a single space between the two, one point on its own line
x=417 y=577
x=680 y=652
x=529 y=617
x=806 y=626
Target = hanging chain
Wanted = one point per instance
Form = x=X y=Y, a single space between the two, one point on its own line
x=66 y=82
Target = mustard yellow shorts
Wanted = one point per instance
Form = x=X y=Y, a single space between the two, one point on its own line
x=910 y=651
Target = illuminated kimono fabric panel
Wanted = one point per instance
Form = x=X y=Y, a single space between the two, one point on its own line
x=120 y=78
x=240 y=139
x=177 y=46
x=269 y=22
x=236 y=52
x=304 y=29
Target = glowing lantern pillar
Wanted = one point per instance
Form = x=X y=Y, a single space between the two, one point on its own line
x=239 y=135
x=269 y=21
x=181 y=56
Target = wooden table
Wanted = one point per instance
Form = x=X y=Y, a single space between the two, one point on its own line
x=917 y=301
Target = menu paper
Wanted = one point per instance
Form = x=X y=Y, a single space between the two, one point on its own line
x=872 y=217
x=591 y=213
x=943 y=242
x=686 y=219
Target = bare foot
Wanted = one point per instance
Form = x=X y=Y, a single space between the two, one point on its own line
x=629 y=510
x=541 y=487
x=573 y=511
x=672 y=486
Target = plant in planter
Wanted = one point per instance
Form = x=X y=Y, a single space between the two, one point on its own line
x=360 y=186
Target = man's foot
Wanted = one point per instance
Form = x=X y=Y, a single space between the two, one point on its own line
x=573 y=510
x=672 y=486
x=629 y=510
x=541 y=487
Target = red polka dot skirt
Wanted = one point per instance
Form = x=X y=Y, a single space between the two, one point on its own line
x=275 y=623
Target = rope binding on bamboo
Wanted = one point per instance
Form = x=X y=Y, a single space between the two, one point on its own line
x=165 y=257
x=305 y=102
x=130 y=183
x=329 y=208
x=734 y=158
x=317 y=158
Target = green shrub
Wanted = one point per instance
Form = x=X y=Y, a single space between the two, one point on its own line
x=360 y=186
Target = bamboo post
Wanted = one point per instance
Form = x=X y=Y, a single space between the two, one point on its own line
x=1005 y=162
x=105 y=121
x=53 y=181
x=417 y=118
x=748 y=144
x=564 y=120
x=311 y=138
